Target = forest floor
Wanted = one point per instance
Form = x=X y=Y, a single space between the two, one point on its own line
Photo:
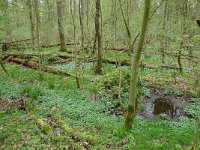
x=40 y=110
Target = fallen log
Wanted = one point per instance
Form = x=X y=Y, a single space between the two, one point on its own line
x=11 y=42
x=56 y=44
x=124 y=62
x=127 y=63
x=29 y=55
x=34 y=65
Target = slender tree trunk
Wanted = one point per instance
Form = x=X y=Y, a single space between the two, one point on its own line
x=184 y=30
x=73 y=15
x=165 y=36
x=30 y=5
x=37 y=16
x=81 y=19
x=7 y=21
x=114 y=19
x=50 y=13
x=87 y=14
x=61 y=25
x=132 y=103
x=129 y=38
x=127 y=8
x=98 y=69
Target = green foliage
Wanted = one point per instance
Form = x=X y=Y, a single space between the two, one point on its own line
x=41 y=77
x=93 y=117
x=51 y=83
x=32 y=92
x=8 y=88
x=196 y=38
x=110 y=83
x=144 y=91
x=193 y=110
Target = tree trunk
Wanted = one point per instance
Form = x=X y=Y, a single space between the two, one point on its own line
x=81 y=19
x=30 y=5
x=7 y=21
x=50 y=13
x=165 y=36
x=98 y=69
x=132 y=103
x=129 y=38
x=184 y=31
x=37 y=16
x=61 y=25
x=114 y=19
x=73 y=15
x=87 y=15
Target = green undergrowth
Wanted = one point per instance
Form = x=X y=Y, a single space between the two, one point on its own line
x=19 y=130
x=84 y=113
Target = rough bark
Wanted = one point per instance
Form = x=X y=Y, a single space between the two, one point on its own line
x=98 y=69
x=61 y=25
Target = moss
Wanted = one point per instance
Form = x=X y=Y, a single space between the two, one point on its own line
x=59 y=139
x=77 y=134
x=45 y=127
x=130 y=117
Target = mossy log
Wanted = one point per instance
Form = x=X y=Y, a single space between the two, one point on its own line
x=45 y=127
x=76 y=134
x=34 y=65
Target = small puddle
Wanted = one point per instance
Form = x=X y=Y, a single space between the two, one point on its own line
x=162 y=105
x=171 y=105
